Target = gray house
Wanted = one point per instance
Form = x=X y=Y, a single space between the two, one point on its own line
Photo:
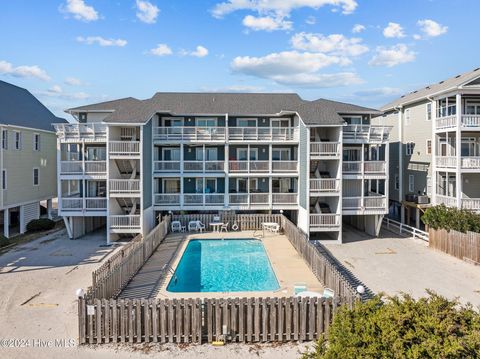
x=27 y=158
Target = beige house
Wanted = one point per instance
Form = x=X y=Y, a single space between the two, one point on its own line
x=435 y=147
x=27 y=158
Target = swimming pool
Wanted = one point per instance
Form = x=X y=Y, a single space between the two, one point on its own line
x=229 y=265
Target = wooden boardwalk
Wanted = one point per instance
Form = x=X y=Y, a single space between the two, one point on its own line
x=149 y=279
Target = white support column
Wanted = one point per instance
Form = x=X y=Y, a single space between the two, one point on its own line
x=248 y=160
x=400 y=164
x=59 y=183
x=433 y=156
x=227 y=180
x=362 y=193
x=6 y=222
x=458 y=150
x=49 y=208
x=270 y=193
x=23 y=228
x=84 y=204
x=270 y=159
x=203 y=158
x=387 y=181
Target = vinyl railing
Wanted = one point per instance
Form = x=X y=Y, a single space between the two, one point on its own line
x=205 y=199
x=324 y=149
x=284 y=198
x=471 y=204
x=402 y=228
x=446 y=200
x=203 y=166
x=77 y=131
x=95 y=167
x=71 y=167
x=471 y=120
x=124 y=148
x=375 y=167
x=263 y=134
x=126 y=222
x=284 y=166
x=367 y=133
x=124 y=186
x=446 y=122
x=165 y=199
x=322 y=185
x=84 y=204
x=471 y=162
x=446 y=161
x=190 y=133
x=166 y=166
x=352 y=167
x=369 y=167
x=324 y=220
x=368 y=202
x=260 y=198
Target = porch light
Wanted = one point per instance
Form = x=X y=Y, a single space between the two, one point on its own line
x=281 y=211
x=361 y=289
x=79 y=292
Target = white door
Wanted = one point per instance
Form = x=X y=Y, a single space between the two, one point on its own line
x=211 y=154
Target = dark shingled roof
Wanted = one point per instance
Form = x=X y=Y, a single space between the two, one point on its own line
x=318 y=112
x=18 y=107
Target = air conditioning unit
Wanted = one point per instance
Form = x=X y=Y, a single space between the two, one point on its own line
x=411 y=197
x=423 y=200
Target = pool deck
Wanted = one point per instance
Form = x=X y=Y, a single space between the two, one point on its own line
x=289 y=267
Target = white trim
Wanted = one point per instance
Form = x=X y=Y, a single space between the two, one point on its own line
x=249 y=150
x=170 y=149
x=427 y=111
x=162 y=120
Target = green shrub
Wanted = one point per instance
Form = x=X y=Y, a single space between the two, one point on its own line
x=401 y=327
x=441 y=217
x=41 y=224
x=4 y=241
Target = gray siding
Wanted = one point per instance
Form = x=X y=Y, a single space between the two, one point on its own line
x=303 y=174
x=147 y=165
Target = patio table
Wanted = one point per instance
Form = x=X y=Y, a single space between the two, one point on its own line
x=268 y=226
x=216 y=226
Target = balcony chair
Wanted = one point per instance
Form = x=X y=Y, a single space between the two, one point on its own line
x=224 y=227
x=216 y=218
x=176 y=226
x=200 y=226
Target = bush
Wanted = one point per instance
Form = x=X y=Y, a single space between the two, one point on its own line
x=4 y=241
x=41 y=224
x=441 y=217
x=401 y=327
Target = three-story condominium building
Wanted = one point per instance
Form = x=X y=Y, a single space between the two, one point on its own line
x=126 y=161
x=27 y=158
x=435 y=147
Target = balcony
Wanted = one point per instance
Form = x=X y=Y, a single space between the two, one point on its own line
x=124 y=149
x=284 y=198
x=471 y=122
x=263 y=166
x=203 y=166
x=83 y=168
x=77 y=132
x=450 y=162
x=203 y=199
x=284 y=166
x=370 y=168
x=190 y=134
x=269 y=134
x=366 y=133
x=371 y=204
x=125 y=223
x=472 y=204
x=446 y=161
x=167 y=199
x=166 y=166
x=324 y=150
x=322 y=186
x=375 y=167
x=83 y=204
x=125 y=187
x=324 y=222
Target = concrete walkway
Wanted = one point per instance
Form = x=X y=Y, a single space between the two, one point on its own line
x=394 y=264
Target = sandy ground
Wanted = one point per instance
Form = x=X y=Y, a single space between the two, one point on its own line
x=38 y=281
x=393 y=264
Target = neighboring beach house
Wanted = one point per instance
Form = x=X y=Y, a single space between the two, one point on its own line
x=126 y=161
x=27 y=158
x=435 y=147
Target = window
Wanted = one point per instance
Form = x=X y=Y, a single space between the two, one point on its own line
x=468 y=146
x=429 y=147
x=171 y=185
x=246 y=122
x=280 y=122
x=407 y=116
x=199 y=153
x=211 y=185
x=281 y=185
x=211 y=154
x=4 y=139
x=411 y=183
x=472 y=108
x=206 y=122
x=171 y=154
x=281 y=154
x=18 y=140
x=397 y=182
x=242 y=154
x=36 y=142
x=410 y=147
x=353 y=120
x=429 y=111
x=4 y=179
x=35 y=176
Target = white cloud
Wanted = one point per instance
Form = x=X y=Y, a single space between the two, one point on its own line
x=57 y=92
x=392 y=56
x=358 y=28
x=295 y=68
x=279 y=7
x=23 y=71
x=336 y=44
x=393 y=30
x=161 y=50
x=55 y=89
x=79 y=10
x=311 y=20
x=147 y=12
x=200 y=51
x=382 y=91
x=266 y=23
x=431 y=28
x=234 y=88
x=90 y=40
x=73 y=81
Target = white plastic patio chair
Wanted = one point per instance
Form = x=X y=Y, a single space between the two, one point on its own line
x=216 y=218
x=224 y=227
x=192 y=226
x=200 y=226
x=275 y=228
x=176 y=226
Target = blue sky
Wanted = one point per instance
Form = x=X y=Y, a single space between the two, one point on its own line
x=73 y=52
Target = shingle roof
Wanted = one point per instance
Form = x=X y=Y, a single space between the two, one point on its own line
x=18 y=107
x=437 y=88
x=318 y=112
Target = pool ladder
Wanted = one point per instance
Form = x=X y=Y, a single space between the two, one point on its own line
x=171 y=270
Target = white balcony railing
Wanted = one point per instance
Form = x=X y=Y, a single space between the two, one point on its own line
x=71 y=167
x=352 y=167
x=84 y=204
x=324 y=149
x=449 y=122
x=76 y=167
x=203 y=199
x=259 y=198
x=472 y=204
x=193 y=166
x=124 y=186
x=368 y=202
x=258 y=166
x=189 y=134
x=446 y=161
x=471 y=162
x=471 y=121
x=72 y=204
x=81 y=131
x=263 y=134
x=214 y=199
x=375 y=167
x=214 y=166
x=284 y=166
x=203 y=166
x=284 y=198
x=124 y=148
x=323 y=185
x=167 y=199
x=446 y=200
x=95 y=167
x=324 y=220
x=96 y=204
x=366 y=133
x=125 y=222
x=166 y=166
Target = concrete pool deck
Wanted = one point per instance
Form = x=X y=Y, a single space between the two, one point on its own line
x=289 y=267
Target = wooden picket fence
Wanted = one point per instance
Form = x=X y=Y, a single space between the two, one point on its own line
x=112 y=277
x=243 y=320
x=465 y=246
x=245 y=222
x=326 y=272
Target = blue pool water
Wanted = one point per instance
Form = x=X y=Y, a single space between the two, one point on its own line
x=230 y=265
